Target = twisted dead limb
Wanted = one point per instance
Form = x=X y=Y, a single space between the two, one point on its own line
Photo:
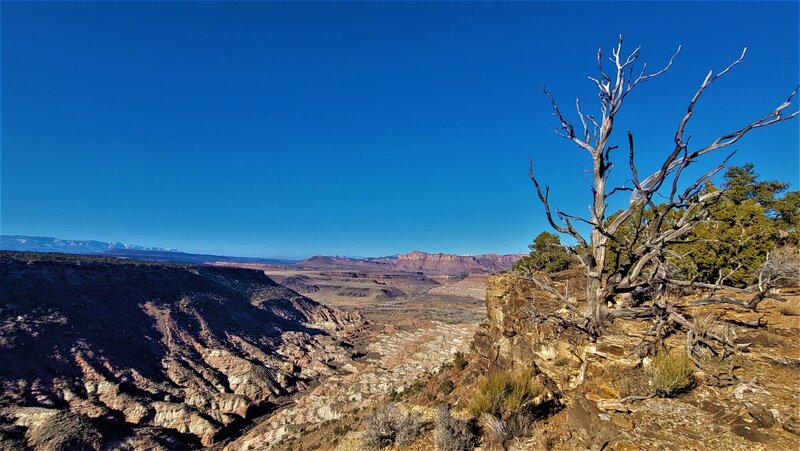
x=760 y=292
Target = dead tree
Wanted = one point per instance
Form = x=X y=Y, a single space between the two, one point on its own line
x=641 y=261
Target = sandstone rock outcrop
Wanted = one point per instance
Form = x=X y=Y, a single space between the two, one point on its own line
x=748 y=401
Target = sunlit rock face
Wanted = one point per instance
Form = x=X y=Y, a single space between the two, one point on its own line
x=153 y=352
x=748 y=401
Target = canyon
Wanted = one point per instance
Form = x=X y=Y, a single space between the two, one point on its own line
x=597 y=393
x=122 y=354
x=100 y=352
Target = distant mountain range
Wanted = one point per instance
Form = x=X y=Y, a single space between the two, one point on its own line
x=50 y=244
x=25 y=243
x=418 y=261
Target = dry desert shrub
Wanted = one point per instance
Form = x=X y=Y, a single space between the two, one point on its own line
x=781 y=268
x=386 y=426
x=495 y=430
x=705 y=324
x=504 y=393
x=452 y=434
x=671 y=373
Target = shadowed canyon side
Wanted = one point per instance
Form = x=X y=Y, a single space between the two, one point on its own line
x=128 y=354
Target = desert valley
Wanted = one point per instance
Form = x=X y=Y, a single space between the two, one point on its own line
x=200 y=355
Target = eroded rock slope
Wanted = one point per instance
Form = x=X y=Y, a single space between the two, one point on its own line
x=121 y=354
x=394 y=361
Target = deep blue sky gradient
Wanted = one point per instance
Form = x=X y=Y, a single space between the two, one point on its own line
x=291 y=129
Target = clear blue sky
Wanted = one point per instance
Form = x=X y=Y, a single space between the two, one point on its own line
x=275 y=129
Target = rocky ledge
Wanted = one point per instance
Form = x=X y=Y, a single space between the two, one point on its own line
x=604 y=396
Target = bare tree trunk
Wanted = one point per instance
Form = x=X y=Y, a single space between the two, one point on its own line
x=595 y=296
x=595 y=304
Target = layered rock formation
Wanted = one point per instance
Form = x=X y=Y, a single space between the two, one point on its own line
x=455 y=264
x=132 y=355
x=418 y=261
x=748 y=401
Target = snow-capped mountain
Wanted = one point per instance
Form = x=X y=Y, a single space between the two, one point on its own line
x=50 y=244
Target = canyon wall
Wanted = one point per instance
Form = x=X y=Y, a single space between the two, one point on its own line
x=152 y=354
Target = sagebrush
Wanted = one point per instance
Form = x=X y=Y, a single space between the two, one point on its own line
x=386 y=426
x=452 y=434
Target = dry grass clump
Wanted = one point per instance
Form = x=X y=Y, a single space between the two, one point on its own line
x=386 y=426
x=790 y=310
x=671 y=373
x=452 y=434
x=504 y=393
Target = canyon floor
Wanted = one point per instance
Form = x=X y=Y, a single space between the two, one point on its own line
x=397 y=356
x=416 y=323
x=387 y=297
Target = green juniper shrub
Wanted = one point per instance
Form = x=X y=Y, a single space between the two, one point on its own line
x=459 y=361
x=446 y=387
x=547 y=254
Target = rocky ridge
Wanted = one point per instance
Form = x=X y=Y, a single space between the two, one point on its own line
x=417 y=261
